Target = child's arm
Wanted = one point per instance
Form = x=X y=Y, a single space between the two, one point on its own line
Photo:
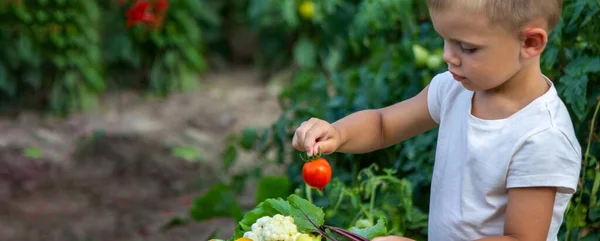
x=385 y=127
x=366 y=130
x=528 y=214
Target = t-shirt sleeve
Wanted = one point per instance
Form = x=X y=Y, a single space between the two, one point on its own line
x=548 y=159
x=438 y=88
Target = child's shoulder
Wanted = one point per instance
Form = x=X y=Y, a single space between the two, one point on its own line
x=550 y=121
x=545 y=122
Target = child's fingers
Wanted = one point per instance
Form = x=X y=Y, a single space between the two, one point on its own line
x=319 y=131
x=326 y=146
x=311 y=137
x=299 y=136
x=296 y=143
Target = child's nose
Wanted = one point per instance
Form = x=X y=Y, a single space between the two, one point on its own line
x=449 y=56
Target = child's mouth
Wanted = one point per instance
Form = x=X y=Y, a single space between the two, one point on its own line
x=458 y=77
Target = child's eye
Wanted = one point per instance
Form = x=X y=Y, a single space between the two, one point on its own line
x=468 y=50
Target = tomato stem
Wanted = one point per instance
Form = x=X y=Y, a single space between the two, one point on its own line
x=309 y=193
x=316 y=156
x=310 y=158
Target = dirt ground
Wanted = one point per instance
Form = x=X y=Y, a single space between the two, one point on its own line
x=111 y=175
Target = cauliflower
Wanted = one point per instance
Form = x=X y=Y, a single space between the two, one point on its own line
x=276 y=228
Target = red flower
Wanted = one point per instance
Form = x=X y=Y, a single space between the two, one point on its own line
x=139 y=13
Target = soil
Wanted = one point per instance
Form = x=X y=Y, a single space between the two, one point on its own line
x=111 y=174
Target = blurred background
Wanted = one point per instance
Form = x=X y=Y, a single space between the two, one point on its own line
x=169 y=119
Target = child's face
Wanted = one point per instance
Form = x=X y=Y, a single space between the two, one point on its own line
x=479 y=55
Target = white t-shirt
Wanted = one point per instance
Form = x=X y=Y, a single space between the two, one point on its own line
x=477 y=160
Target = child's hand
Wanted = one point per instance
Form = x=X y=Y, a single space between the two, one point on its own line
x=316 y=135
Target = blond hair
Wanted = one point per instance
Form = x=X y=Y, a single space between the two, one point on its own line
x=512 y=14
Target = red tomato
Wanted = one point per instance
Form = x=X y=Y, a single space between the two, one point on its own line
x=316 y=173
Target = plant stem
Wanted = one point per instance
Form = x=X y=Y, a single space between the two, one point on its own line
x=309 y=193
x=339 y=201
x=372 y=204
x=587 y=151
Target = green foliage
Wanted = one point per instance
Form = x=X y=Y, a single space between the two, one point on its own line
x=376 y=196
x=293 y=206
x=301 y=207
x=65 y=53
x=162 y=59
x=52 y=58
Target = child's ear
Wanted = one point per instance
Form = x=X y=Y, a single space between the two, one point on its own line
x=534 y=42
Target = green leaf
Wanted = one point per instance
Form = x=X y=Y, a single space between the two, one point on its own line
x=594 y=213
x=189 y=25
x=299 y=206
x=379 y=229
x=305 y=52
x=239 y=181
x=194 y=59
x=206 y=11
x=333 y=60
x=187 y=153
x=32 y=152
x=60 y=61
x=289 y=13
x=593 y=236
x=574 y=83
x=87 y=99
x=157 y=75
x=249 y=138
x=70 y=80
x=93 y=78
x=273 y=187
x=22 y=13
x=158 y=39
x=41 y=16
x=592 y=65
x=229 y=157
x=171 y=58
x=269 y=207
x=549 y=57
x=219 y=201
x=57 y=39
x=59 y=16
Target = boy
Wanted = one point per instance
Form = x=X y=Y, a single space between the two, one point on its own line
x=507 y=159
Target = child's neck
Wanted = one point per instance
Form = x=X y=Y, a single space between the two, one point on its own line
x=520 y=90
